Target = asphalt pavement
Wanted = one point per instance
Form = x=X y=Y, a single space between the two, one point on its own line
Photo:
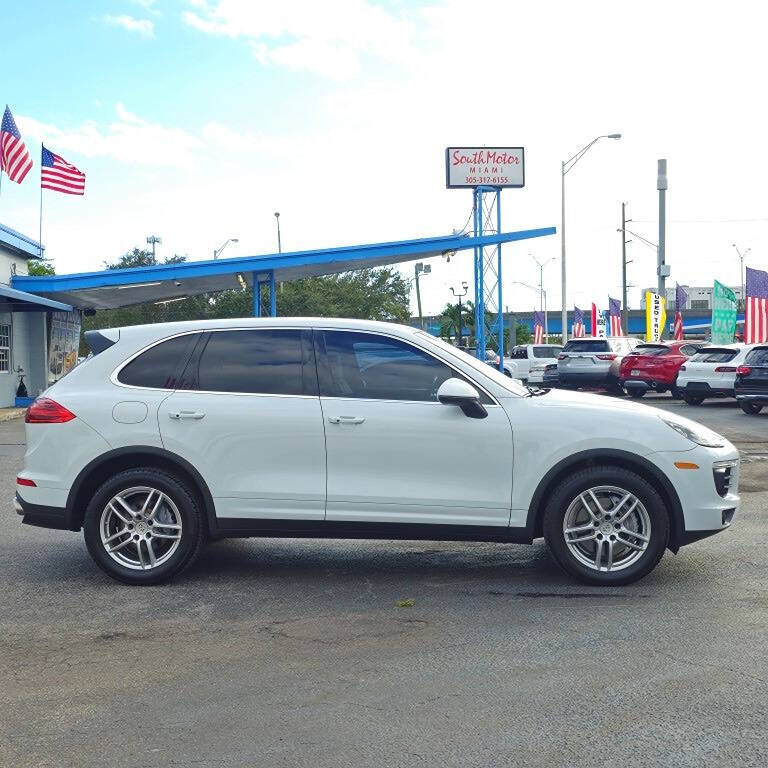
x=295 y=652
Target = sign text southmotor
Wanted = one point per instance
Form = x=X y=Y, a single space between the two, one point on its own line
x=494 y=166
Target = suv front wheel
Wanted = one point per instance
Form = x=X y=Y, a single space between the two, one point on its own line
x=606 y=525
x=143 y=526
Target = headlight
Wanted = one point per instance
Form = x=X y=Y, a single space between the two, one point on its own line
x=699 y=435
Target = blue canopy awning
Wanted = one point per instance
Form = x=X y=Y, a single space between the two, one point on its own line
x=21 y=301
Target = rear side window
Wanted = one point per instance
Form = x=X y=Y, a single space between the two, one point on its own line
x=547 y=351
x=758 y=356
x=714 y=355
x=264 y=362
x=651 y=350
x=586 y=345
x=160 y=366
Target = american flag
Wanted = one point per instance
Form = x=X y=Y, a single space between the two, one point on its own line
x=538 y=327
x=578 y=323
x=59 y=175
x=614 y=307
x=756 y=306
x=680 y=298
x=14 y=157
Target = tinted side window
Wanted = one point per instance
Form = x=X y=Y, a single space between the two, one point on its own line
x=160 y=366
x=546 y=351
x=266 y=362
x=366 y=365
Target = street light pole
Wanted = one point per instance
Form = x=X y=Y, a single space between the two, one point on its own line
x=459 y=296
x=217 y=251
x=566 y=166
x=417 y=270
x=624 y=308
x=542 y=292
x=742 y=256
x=279 y=244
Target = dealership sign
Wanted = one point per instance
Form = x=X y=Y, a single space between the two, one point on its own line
x=655 y=316
x=491 y=166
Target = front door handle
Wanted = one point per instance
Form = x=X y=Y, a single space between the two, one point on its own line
x=197 y=415
x=346 y=419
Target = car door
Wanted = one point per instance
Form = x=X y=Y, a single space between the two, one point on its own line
x=395 y=454
x=247 y=416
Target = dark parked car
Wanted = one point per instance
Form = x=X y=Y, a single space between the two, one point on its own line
x=751 y=387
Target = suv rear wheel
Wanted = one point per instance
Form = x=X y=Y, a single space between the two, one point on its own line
x=606 y=525
x=143 y=526
x=692 y=399
x=750 y=407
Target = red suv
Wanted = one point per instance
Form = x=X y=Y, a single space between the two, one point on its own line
x=654 y=366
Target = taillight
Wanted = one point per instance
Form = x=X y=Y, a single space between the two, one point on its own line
x=610 y=356
x=47 y=411
x=25 y=481
x=743 y=370
x=725 y=369
x=682 y=367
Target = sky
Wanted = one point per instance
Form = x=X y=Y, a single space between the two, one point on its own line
x=196 y=120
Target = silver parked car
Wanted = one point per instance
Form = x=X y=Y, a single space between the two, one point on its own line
x=593 y=362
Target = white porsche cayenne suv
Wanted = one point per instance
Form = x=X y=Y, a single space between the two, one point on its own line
x=172 y=435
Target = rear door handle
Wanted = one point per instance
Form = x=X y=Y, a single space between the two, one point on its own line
x=346 y=419
x=186 y=415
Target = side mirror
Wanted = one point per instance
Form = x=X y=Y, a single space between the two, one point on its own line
x=458 y=392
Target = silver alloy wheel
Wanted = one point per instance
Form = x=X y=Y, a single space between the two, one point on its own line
x=140 y=528
x=607 y=528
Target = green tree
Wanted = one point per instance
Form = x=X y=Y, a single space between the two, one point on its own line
x=449 y=319
x=40 y=267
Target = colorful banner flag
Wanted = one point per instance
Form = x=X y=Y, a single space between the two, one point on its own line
x=723 y=314
x=655 y=316
x=578 y=330
x=538 y=327
x=681 y=297
x=614 y=307
x=756 y=307
x=593 y=320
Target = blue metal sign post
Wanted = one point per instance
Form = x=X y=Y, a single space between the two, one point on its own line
x=489 y=306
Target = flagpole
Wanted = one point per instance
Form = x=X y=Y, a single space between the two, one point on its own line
x=40 y=235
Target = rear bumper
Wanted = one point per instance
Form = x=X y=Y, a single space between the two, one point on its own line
x=585 y=379
x=704 y=388
x=755 y=397
x=42 y=516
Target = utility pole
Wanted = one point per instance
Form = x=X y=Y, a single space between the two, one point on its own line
x=418 y=269
x=624 y=309
x=742 y=256
x=663 y=269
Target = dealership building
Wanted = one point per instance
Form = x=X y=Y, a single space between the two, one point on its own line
x=39 y=336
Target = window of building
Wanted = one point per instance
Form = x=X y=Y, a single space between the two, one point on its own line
x=699 y=303
x=264 y=361
x=5 y=348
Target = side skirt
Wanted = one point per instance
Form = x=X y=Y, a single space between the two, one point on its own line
x=233 y=527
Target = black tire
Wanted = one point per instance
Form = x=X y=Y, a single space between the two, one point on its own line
x=692 y=399
x=750 y=408
x=579 y=482
x=635 y=392
x=192 y=528
x=675 y=393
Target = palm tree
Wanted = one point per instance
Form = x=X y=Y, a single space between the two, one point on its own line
x=449 y=319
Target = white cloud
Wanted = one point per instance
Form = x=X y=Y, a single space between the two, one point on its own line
x=129 y=139
x=308 y=35
x=143 y=27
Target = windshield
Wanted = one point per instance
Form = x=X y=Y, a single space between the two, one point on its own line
x=586 y=345
x=492 y=373
x=713 y=355
x=650 y=350
x=547 y=351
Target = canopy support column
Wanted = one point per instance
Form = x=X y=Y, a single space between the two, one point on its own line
x=256 y=295
x=272 y=295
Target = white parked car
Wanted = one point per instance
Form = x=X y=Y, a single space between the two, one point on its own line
x=525 y=356
x=172 y=435
x=711 y=372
